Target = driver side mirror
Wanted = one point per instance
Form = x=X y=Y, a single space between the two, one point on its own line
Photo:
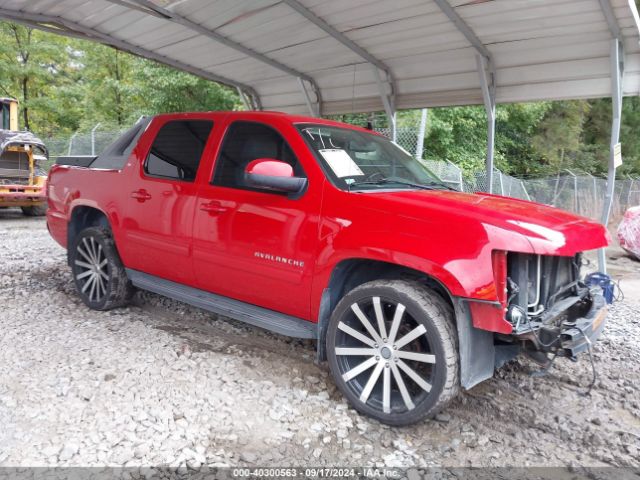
x=272 y=174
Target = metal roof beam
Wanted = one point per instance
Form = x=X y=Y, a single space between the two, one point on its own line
x=465 y=29
x=333 y=32
x=487 y=71
x=62 y=26
x=610 y=17
x=387 y=97
x=472 y=38
x=212 y=34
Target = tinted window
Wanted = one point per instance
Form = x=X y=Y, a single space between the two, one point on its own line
x=245 y=142
x=177 y=149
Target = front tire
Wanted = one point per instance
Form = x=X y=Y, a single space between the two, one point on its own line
x=392 y=350
x=34 y=210
x=98 y=273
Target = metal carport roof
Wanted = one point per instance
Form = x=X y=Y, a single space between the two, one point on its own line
x=424 y=50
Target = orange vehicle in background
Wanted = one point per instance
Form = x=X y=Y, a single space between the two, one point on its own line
x=22 y=181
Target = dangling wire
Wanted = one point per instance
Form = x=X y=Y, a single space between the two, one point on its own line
x=593 y=363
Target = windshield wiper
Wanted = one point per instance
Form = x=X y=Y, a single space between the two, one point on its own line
x=389 y=181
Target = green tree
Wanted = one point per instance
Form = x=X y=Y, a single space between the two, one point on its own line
x=35 y=68
x=162 y=89
x=559 y=133
x=68 y=84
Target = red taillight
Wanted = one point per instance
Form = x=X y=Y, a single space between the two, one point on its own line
x=499 y=263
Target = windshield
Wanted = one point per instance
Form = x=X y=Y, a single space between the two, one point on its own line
x=357 y=160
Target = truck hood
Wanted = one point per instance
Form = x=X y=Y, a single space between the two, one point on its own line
x=549 y=230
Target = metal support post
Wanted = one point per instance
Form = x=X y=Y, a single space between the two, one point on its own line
x=617 y=73
x=387 y=100
x=93 y=139
x=71 y=143
x=420 y=141
x=487 y=84
x=314 y=107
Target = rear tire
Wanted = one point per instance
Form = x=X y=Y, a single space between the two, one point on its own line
x=392 y=351
x=34 y=210
x=98 y=273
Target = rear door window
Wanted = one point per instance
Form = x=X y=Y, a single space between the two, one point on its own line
x=177 y=149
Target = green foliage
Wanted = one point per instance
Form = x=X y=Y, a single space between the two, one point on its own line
x=166 y=90
x=536 y=139
x=65 y=85
x=35 y=68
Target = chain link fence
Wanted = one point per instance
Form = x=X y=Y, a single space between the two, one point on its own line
x=91 y=143
x=583 y=194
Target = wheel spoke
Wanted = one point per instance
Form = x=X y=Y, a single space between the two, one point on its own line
x=101 y=288
x=357 y=370
x=356 y=334
x=418 y=357
x=83 y=264
x=402 y=387
x=89 y=249
x=377 y=307
x=88 y=283
x=365 y=321
x=83 y=274
x=103 y=275
x=412 y=335
x=84 y=254
x=94 y=250
x=93 y=287
x=103 y=263
x=364 y=396
x=395 y=324
x=370 y=352
x=386 y=390
x=414 y=376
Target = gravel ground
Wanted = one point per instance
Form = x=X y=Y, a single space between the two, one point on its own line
x=161 y=383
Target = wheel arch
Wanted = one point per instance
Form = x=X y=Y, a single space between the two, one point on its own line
x=353 y=272
x=81 y=217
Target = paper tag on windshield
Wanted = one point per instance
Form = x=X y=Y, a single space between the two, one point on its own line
x=341 y=163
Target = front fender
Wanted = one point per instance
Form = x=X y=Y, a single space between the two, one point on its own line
x=453 y=249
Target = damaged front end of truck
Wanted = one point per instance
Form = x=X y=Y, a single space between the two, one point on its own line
x=552 y=310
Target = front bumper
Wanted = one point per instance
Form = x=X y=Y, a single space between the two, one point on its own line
x=575 y=335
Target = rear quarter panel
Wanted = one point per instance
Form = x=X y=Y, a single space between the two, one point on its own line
x=69 y=187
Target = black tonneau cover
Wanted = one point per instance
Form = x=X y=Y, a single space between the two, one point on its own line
x=76 y=160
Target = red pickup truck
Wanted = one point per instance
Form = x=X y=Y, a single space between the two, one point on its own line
x=316 y=229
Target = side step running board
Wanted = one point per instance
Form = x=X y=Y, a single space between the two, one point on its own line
x=244 y=312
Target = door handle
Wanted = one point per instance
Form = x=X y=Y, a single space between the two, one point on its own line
x=141 y=195
x=213 y=207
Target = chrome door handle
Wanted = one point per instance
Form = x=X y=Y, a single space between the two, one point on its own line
x=213 y=207
x=141 y=195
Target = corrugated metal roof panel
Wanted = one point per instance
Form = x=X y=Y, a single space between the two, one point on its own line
x=543 y=49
